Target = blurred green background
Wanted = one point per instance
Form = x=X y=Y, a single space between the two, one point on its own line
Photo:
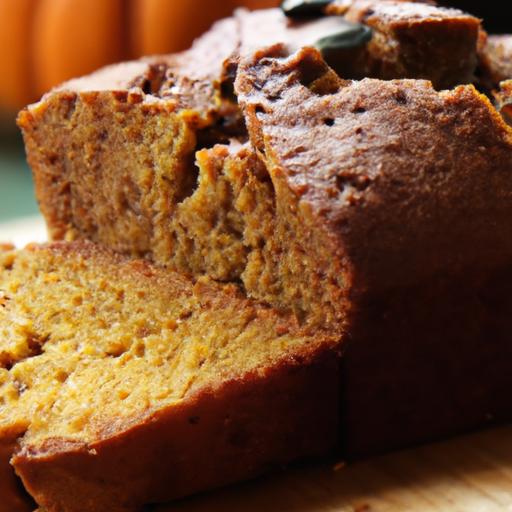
x=16 y=189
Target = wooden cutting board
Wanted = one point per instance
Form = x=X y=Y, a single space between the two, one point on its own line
x=469 y=474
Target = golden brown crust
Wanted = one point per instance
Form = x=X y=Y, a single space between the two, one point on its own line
x=385 y=164
x=448 y=345
x=187 y=79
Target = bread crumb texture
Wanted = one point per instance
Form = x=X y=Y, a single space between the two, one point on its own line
x=91 y=343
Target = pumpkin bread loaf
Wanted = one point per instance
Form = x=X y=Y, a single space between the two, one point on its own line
x=375 y=208
x=376 y=211
x=124 y=157
x=116 y=378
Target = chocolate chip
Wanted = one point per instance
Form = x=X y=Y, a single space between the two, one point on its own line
x=299 y=9
x=349 y=35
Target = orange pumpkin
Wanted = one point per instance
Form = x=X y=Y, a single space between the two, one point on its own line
x=73 y=37
x=15 y=87
x=161 y=26
x=46 y=42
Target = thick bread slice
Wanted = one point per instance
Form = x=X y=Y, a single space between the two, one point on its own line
x=123 y=384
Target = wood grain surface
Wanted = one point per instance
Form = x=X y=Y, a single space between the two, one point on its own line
x=469 y=474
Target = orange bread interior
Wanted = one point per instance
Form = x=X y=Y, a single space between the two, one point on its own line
x=91 y=343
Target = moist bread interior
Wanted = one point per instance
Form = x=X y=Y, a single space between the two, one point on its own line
x=91 y=344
